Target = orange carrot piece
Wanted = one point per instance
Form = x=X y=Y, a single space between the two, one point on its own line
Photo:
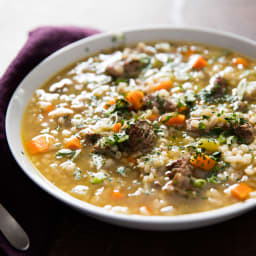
x=241 y=191
x=109 y=104
x=187 y=53
x=135 y=98
x=132 y=160
x=240 y=60
x=153 y=117
x=116 y=194
x=200 y=63
x=182 y=109
x=166 y=85
x=48 y=108
x=116 y=127
x=38 y=145
x=203 y=161
x=74 y=143
x=176 y=120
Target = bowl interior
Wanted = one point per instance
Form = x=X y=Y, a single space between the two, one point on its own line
x=81 y=49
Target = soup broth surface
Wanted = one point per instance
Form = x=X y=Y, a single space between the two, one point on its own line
x=163 y=128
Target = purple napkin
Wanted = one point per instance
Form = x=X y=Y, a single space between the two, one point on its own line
x=34 y=209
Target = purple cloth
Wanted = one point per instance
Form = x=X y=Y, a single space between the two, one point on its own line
x=34 y=209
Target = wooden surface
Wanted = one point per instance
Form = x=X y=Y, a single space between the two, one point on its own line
x=80 y=235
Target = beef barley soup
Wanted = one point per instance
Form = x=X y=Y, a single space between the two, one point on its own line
x=162 y=128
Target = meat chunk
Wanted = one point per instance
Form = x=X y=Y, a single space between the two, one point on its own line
x=180 y=172
x=116 y=69
x=219 y=87
x=128 y=68
x=244 y=132
x=91 y=138
x=141 y=137
x=162 y=104
x=132 y=68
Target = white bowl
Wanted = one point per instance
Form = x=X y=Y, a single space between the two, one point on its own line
x=81 y=49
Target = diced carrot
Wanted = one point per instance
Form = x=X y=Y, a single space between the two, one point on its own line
x=183 y=108
x=187 y=53
x=175 y=120
x=240 y=60
x=38 y=145
x=135 y=98
x=200 y=63
x=166 y=85
x=73 y=143
x=153 y=117
x=132 y=160
x=109 y=104
x=47 y=108
x=241 y=191
x=116 y=127
x=116 y=194
x=203 y=161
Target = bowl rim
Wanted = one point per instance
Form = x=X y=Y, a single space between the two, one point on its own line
x=99 y=212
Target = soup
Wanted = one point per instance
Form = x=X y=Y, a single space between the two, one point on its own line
x=163 y=128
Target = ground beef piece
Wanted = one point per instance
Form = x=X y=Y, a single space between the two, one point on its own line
x=116 y=69
x=141 y=137
x=132 y=68
x=219 y=87
x=92 y=138
x=180 y=172
x=216 y=90
x=162 y=104
x=128 y=68
x=244 y=132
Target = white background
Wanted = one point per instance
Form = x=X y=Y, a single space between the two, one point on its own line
x=17 y=17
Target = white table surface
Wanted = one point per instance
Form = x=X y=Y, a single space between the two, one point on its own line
x=19 y=17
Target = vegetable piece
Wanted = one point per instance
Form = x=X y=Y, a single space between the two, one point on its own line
x=116 y=194
x=199 y=183
x=132 y=160
x=187 y=53
x=39 y=144
x=116 y=127
x=135 y=98
x=98 y=178
x=182 y=109
x=166 y=85
x=203 y=161
x=175 y=120
x=153 y=117
x=47 y=108
x=241 y=191
x=73 y=143
x=200 y=63
x=240 y=60
x=109 y=104
x=209 y=144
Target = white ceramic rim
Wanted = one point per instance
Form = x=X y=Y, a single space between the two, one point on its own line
x=146 y=222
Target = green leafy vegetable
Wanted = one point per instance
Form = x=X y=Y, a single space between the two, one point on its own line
x=98 y=178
